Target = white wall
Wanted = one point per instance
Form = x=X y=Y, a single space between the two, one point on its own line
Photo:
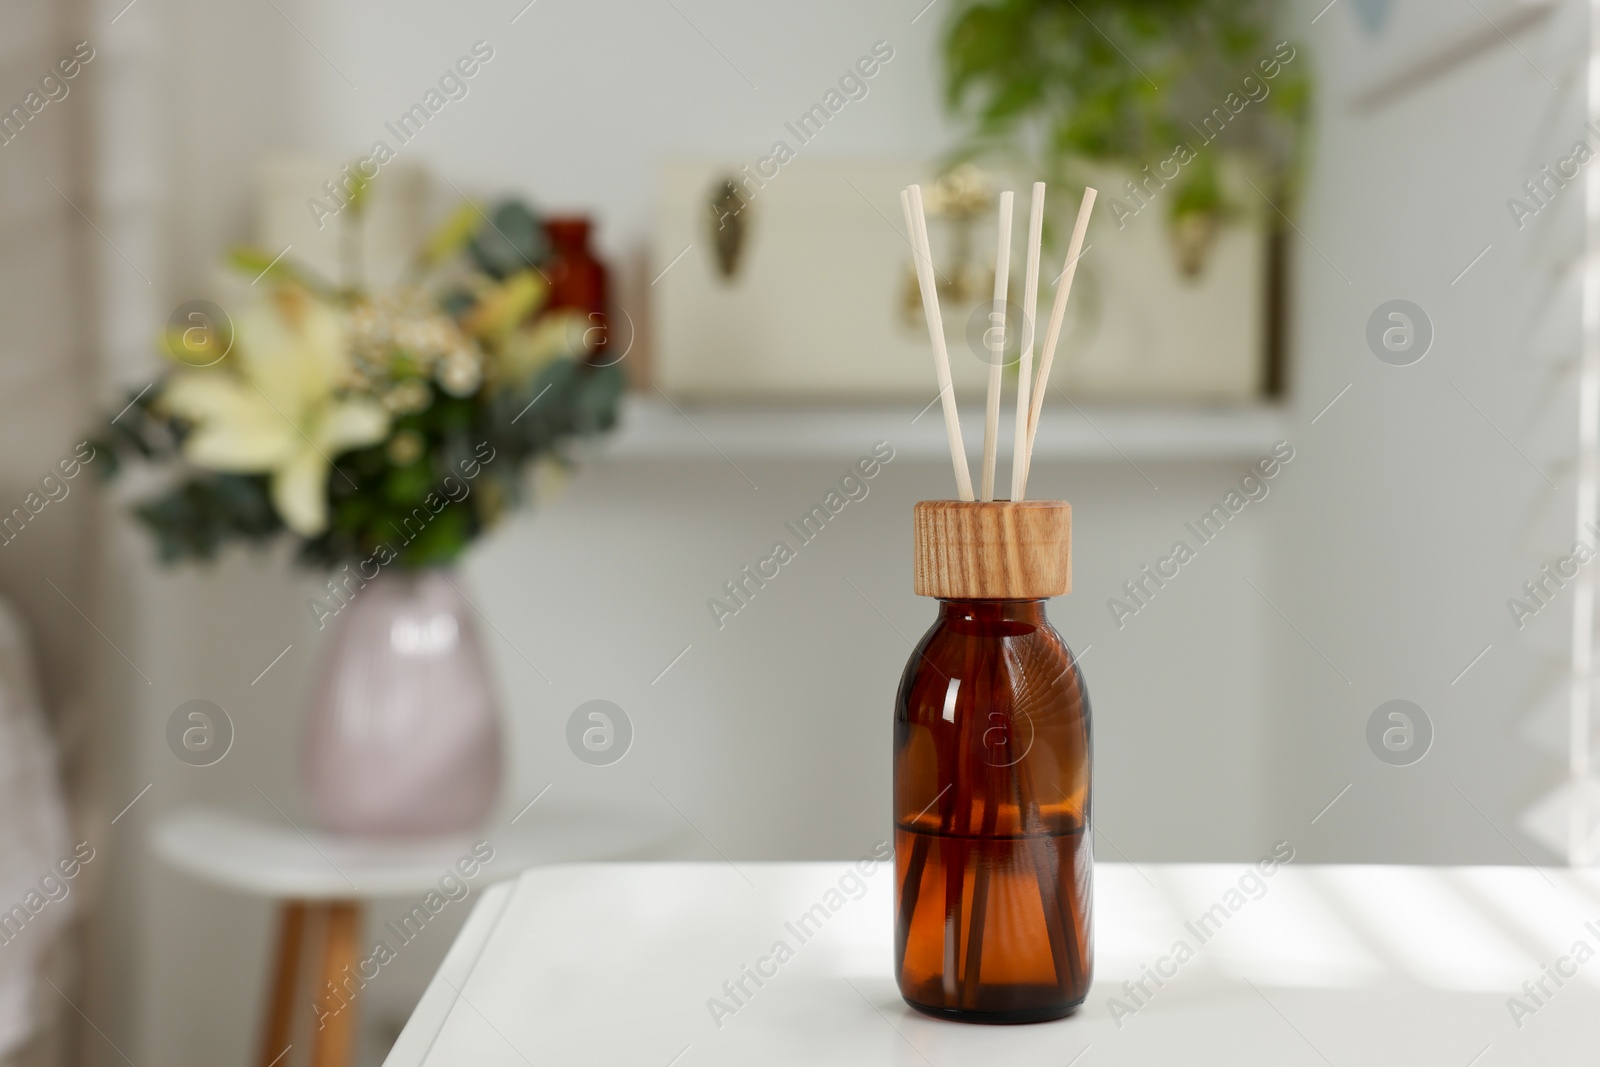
x=1415 y=516
x=1391 y=540
x=576 y=109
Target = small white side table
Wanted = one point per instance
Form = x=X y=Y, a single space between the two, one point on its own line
x=322 y=880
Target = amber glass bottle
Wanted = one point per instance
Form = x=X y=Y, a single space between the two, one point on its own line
x=991 y=775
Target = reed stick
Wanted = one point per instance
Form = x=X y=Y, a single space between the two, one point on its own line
x=1043 y=851
x=983 y=866
x=995 y=335
x=917 y=223
x=1058 y=314
x=953 y=847
x=1030 y=313
x=910 y=892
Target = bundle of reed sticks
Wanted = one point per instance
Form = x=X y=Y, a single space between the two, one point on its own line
x=1030 y=390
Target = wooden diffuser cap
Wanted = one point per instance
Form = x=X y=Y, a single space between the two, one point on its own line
x=993 y=550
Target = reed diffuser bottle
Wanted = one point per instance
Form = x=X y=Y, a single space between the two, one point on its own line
x=992 y=773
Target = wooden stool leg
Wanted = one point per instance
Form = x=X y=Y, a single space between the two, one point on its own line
x=276 y=1033
x=333 y=1043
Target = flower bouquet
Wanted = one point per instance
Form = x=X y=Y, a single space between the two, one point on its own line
x=393 y=426
x=381 y=432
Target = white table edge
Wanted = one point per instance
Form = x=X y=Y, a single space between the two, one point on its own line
x=443 y=990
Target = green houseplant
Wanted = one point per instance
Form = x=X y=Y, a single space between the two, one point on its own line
x=1163 y=89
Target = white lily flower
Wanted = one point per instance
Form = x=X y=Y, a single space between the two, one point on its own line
x=279 y=414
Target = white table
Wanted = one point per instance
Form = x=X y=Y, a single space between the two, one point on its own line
x=613 y=964
x=322 y=880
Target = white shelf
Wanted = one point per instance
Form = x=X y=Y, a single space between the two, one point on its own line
x=656 y=429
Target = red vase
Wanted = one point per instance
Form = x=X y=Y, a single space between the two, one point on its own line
x=578 y=280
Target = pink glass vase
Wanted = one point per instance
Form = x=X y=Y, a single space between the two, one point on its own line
x=403 y=737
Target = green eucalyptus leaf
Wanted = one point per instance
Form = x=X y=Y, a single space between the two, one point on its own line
x=511 y=239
